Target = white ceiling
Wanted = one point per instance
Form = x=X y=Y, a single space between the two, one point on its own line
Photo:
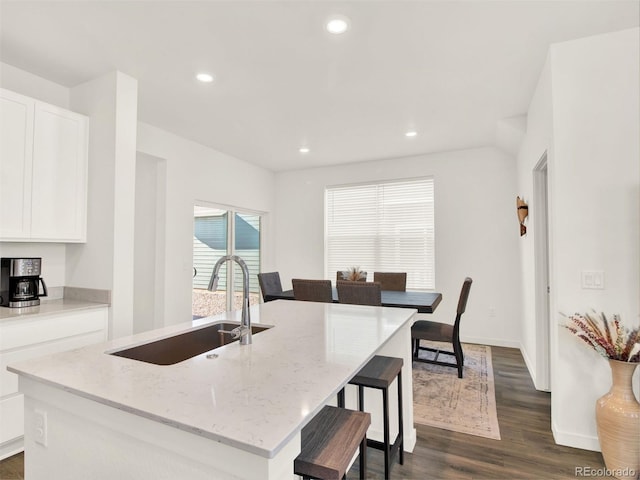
x=448 y=69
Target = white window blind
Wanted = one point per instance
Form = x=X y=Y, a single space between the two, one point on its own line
x=386 y=227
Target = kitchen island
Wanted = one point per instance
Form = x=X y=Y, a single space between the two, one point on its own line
x=235 y=414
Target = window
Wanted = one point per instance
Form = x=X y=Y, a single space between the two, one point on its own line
x=385 y=227
x=214 y=232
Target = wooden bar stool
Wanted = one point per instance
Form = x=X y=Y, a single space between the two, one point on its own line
x=329 y=442
x=379 y=373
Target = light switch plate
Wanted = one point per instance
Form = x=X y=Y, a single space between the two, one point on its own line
x=592 y=279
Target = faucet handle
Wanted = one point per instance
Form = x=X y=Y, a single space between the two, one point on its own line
x=235 y=333
x=240 y=332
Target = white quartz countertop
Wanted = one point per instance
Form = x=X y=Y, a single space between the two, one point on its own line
x=49 y=307
x=254 y=397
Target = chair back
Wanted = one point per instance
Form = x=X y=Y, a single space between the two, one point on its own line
x=396 y=281
x=464 y=296
x=312 y=290
x=340 y=278
x=359 y=293
x=269 y=284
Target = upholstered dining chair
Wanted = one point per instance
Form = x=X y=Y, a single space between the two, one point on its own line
x=269 y=284
x=312 y=290
x=359 y=293
x=442 y=332
x=391 y=280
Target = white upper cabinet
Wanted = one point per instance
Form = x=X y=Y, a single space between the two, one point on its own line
x=16 y=134
x=43 y=167
x=59 y=177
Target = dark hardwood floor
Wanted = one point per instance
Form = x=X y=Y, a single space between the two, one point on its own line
x=12 y=468
x=526 y=451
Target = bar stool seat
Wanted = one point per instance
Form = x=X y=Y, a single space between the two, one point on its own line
x=379 y=373
x=329 y=442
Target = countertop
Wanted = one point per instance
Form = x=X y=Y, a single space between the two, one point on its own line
x=254 y=397
x=48 y=307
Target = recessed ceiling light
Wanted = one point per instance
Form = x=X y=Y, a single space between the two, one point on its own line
x=411 y=133
x=304 y=150
x=205 y=77
x=337 y=24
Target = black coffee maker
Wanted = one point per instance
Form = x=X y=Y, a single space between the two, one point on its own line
x=20 y=282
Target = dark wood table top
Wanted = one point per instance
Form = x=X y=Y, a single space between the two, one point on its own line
x=424 y=302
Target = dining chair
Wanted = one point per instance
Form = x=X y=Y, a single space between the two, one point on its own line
x=442 y=332
x=378 y=373
x=269 y=284
x=396 y=281
x=312 y=290
x=359 y=293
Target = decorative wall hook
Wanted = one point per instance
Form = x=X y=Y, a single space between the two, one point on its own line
x=523 y=212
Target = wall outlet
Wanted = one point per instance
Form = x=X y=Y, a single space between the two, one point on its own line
x=492 y=312
x=40 y=426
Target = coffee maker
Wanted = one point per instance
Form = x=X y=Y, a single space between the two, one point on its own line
x=20 y=282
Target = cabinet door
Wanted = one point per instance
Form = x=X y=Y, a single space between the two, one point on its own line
x=16 y=134
x=58 y=190
x=32 y=337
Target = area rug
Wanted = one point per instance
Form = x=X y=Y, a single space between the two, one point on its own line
x=466 y=405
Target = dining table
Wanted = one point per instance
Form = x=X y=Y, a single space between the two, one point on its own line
x=424 y=302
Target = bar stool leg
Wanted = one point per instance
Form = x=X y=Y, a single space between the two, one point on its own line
x=361 y=398
x=363 y=458
x=341 y=398
x=385 y=417
x=400 y=420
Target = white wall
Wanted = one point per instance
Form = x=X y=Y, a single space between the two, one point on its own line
x=477 y=231
x=195 y=173
x=52 y=254
x=585 y=113
x=148 y=304
x=596 y=202
x=26 y=83
x=105 y=261
x=537 y=141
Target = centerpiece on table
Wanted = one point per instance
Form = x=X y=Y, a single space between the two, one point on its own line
x=618 y=411
x=354 y=274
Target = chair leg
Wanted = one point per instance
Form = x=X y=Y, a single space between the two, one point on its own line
x=400 y=420
x=457 y=348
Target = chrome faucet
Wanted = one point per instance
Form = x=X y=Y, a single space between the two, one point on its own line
x=243 y=332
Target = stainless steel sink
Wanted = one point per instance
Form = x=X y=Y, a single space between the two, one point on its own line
x=183 y=346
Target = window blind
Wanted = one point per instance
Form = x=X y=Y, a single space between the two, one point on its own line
x=384 y=227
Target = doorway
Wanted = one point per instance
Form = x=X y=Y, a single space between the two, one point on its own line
x=542 y=283
x=218 y=232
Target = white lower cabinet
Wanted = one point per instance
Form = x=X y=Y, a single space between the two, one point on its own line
x=32 y=337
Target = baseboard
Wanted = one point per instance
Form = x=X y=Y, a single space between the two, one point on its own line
x=492 y=342
x=529 y=365
x=574 y=440
x=10 y=448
